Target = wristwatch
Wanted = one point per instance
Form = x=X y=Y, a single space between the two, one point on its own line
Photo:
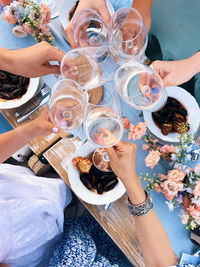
x=141 y=209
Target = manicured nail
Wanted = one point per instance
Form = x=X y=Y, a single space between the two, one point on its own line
x=55 y=130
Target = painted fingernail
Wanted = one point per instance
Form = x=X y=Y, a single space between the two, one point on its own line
x=154 y=90
x=55 y=130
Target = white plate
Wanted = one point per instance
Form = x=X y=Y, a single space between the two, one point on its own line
x=193 y=114
x=14 y=103
x=64 y=13
x=85 y=194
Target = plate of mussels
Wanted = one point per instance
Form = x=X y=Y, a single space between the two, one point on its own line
x=16 y=90
x=181 y=113
x=91 y=184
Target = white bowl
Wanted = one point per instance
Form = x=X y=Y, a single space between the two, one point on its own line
x=191 y=106
x=85 y=194
x=14 y=103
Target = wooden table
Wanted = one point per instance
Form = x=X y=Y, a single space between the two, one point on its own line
x=116 y=220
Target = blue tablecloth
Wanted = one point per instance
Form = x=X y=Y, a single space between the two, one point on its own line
x=178 y=236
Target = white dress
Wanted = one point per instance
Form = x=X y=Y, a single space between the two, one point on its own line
x=31 y=216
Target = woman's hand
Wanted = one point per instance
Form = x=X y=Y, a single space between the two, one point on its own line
x=34 y=61
x=177 y=72
x=42 y=125
x=122 y=160
x=100 y=6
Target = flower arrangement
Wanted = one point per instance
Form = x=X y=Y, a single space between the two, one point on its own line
x=181 y=184
x=30 y=17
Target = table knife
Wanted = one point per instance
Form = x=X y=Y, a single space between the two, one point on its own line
x=45 y=100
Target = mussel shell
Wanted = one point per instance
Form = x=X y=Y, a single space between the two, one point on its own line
x=181 y=111
x=3 y=75
x=110 y=185
x=100 y=188
x=158 y=118
x=96 y=172
x=86 y=180
x=107 y=177
x=5 y=95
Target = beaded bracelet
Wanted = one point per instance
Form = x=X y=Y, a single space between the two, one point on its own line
x=141 y=209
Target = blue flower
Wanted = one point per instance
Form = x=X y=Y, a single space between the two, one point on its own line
x=1 y=8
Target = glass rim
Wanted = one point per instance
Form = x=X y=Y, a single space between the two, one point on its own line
x=81 y=12
x=141 y=22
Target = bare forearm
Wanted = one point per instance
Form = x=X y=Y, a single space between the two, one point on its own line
x=13 y=140
x=194 y=63
x=5 y=60
x=151 y=235
x=144 y=7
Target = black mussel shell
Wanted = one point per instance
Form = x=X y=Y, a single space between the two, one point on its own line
x=5 y=95
x=94 y=180
x=99 y=188
x=96 y=172
x=3 y=75
x=110 y=185
x=86 y=180
x=169 y=117
x=181 y=111
x=158 y=118
x=107 y=177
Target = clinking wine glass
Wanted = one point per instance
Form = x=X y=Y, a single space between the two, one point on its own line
x=66 y=105
x=140 y=86
x=128 y=35
x=103 y=123
x=89 y=29
x=90 y=67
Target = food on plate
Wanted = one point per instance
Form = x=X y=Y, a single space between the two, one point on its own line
x=84 y=165
x=94 y=179
x=173 y=117
x=12 y=86
x=72 y=11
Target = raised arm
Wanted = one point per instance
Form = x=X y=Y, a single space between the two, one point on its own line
x=178 y=72
x=151 y=235
x=33 y=61
x=13 y=140
x=144 y=7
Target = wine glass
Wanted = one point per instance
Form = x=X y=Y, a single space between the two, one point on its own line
x=103 y=121
x=79 y=66
x=128 y=35
x=140 y=86
x=90 y=67
x=89 y=29
x=66 y=105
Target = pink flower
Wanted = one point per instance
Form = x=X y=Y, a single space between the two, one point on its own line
x=6 y=2
x=46 y=14
x=136 y=132
x=145 y=147
x=166 y=151
x=152 y=158
x=157 y=188
x=196 y=191
x=10 y=18
x=28 y=28
x=126 y=122
x=162 y=176
x=185 y=218
x=176 y=175
x=170 y=189
x=194 y=212
x=197 y=168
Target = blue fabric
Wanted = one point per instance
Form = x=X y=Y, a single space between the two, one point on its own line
x=178 y=236
x=4 y=125
x=86 y=244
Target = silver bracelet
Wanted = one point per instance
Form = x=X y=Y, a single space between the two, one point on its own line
x=141 y=209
